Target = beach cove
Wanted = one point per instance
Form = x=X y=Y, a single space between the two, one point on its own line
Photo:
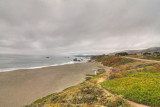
x=22 y=87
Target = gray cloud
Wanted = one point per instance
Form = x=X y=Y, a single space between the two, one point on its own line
x=78 y=26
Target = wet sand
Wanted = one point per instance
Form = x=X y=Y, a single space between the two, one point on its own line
x=22 y=87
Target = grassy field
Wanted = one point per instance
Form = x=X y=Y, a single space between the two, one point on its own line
x=135 y=80
x=140 y=87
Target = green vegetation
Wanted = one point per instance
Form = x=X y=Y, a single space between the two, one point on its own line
x=135 y=80
x=121 y=54
x=90 y=75
x=140 y=87
x=101 y=71
x=146 y=53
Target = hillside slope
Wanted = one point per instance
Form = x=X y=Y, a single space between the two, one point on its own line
x=153 y=49
x=129 y=79
x=136 y=80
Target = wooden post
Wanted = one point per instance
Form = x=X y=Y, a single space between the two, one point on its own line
x=95 y=72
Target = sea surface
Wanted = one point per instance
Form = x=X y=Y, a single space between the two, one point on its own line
x=15 y=62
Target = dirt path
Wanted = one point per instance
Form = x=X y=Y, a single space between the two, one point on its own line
x=145 y=60
x=132 y=104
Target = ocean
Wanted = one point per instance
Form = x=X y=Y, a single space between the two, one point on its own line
x=15 y=62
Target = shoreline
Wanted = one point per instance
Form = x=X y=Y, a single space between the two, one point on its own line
x=22 y=87
x=31 y=68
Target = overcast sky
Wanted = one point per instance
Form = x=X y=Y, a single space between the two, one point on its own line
x=78 y=26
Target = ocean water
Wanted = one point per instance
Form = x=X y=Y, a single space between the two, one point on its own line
x=14 y=62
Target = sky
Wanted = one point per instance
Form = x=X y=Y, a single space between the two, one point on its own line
x=67 y=27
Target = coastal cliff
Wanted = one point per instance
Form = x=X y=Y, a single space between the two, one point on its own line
x=128 y=83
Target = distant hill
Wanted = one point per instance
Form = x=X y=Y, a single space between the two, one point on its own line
x=153 y=49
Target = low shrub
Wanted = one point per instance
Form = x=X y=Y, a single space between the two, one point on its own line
x=115 y=75
x=100 y=71
x=88 y=78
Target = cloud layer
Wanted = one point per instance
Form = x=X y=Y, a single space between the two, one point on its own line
x=78 y=26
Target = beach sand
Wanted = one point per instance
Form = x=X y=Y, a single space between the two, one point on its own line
x=22 y=87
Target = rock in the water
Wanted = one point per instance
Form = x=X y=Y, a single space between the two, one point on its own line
x=75 y=59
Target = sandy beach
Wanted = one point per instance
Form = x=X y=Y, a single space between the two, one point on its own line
x=22 y=87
